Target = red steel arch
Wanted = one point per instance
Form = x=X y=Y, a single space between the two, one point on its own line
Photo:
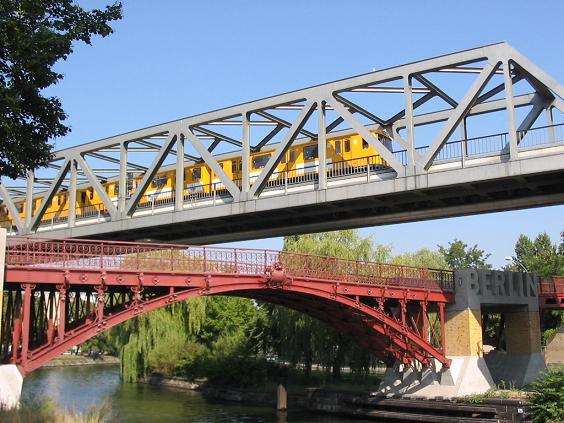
x=59 y=293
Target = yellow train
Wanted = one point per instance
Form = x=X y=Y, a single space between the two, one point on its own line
x=345 y=156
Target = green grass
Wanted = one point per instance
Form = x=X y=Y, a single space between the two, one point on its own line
x=47 y=412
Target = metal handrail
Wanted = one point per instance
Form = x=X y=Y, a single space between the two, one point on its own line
x=88 y=254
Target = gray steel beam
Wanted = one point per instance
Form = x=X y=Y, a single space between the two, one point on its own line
x=48 y=197
x=436 y=90
x=95 y=183
x=410 y=129
x=11 y=207
x=113 y=160
x=290 y=136
x=218 y=135
x=459 y=112
x=179 y=174
x=245 y=157
x=212 y=163
x=388 y=156
x=72 y=194
x=29 y=199
x=284 y=123
x=512 y=130
x=267 y=138
x=359 y=109
x=131 y=205
x=122 y=183
x=322 y=146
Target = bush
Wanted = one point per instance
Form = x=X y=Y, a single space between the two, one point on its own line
x=547 y=401
x=230 y=363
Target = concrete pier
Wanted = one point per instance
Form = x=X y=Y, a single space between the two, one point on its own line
x=472 y=372
x=11 y=381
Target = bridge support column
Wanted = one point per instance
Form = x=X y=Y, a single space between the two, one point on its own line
x=522 y=361
x=11 y=381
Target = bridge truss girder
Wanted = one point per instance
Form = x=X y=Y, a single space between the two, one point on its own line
x=187 y=141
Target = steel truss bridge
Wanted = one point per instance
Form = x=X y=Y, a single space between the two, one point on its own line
x=58 y=294
x=494 y=145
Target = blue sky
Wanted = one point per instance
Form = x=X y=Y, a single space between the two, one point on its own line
x=170 y=59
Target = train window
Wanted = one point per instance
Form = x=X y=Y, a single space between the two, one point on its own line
x=159 y=181
x=283 y=159
x=338 y=147
x=364 y=144
x=91 y=194
x=260 y=161
x=292 y=157
x=19 y=207
x=310 y=152
x=347 y=145
x=196 y=173
x=83 y=197
x=235 y=165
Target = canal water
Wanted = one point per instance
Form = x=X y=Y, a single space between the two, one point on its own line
x=78 y=387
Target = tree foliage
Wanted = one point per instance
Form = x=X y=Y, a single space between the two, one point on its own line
x=303 y=339
x=34 y=35
x=423 y=257
x=458 y=255
x=541 y=255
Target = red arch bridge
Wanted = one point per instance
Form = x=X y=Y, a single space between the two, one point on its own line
x=59 y=293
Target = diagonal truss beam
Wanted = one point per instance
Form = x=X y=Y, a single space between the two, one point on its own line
x=97 y=186
x=367 y=135
x=156 y=147
x=11 y=207
x=359 y=109
x=498 y=89
x=533 y=72
x=459 y=112
x=290 y=136
x=150 y=174
x=212 y=163
x=267 y=138
x=436 y=90
x=285 y=123
x=48 y=197
x=218 y=135
x=116 y=161
x=419 y=102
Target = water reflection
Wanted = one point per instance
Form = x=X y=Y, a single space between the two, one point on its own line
x=79 y=387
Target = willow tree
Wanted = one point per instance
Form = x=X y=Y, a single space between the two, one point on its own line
x=304 y=340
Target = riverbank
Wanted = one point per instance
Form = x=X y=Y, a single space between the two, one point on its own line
x=359 y=404
x=68 y=360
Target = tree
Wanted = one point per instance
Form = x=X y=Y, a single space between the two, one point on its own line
x=459 y=256
x=423 y=257
x=34 y=35
x=540 y=255
x=302 y=339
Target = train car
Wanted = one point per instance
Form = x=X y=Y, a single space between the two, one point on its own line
x=345 y=156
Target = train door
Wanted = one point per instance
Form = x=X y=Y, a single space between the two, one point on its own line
x=236 y=168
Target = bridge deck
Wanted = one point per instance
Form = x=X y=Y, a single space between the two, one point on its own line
x=86 y=257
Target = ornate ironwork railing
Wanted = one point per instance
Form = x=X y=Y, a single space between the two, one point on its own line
x=86 y=254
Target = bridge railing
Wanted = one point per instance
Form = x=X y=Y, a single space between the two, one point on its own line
x=86 y=254
x=493 y=144
x=553 y=286
x=541 y=136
